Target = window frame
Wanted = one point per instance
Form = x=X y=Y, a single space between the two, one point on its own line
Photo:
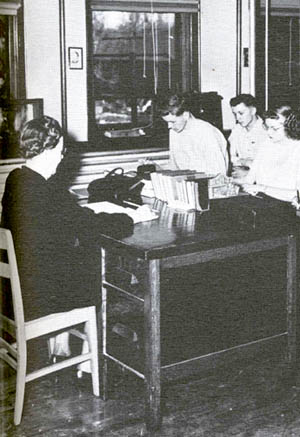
x=188 y=69
x=266 y=12
x=13 y=9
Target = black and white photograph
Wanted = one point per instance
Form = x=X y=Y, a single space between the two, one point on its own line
x=75 y=58
x=150 y=218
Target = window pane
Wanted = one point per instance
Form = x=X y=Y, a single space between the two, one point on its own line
x=133 y=52
x=283 y=74
x=144 y=112
x=112 y=75
x=4 y=57
x=116 y=111
x=136 y=55
x=112 y=111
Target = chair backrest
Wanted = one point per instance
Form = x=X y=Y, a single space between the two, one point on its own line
x=9 y=270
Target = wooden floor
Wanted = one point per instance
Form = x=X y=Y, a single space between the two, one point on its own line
x=258 y=399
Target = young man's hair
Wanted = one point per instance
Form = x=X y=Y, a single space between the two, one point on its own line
x=175 y=104
x=247 y=99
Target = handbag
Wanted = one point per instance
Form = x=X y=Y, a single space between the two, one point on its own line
x=116 y=187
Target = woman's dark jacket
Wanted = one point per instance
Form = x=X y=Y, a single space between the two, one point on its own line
x=56 y=243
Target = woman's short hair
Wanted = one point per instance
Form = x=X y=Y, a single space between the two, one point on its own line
x=38 y=135
x=292 y=120
x=292 y=125
x=175 y=104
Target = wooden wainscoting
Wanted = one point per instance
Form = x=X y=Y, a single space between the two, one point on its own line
x=93 y=165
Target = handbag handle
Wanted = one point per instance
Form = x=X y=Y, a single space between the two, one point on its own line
x=118 y=171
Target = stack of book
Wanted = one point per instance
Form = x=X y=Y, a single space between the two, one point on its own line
x=183 y=189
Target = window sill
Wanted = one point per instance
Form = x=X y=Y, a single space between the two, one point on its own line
x=94 y=164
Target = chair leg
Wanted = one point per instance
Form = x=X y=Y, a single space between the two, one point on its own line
x=20 y=385
x=85 y=366
x=91 y=330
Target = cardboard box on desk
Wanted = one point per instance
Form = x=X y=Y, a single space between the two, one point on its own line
x=253 y=213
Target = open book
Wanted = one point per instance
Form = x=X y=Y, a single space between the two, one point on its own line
x=141 y=214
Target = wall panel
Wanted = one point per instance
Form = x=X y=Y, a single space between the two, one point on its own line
x=42 y=54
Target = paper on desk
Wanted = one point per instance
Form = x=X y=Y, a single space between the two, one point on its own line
x=141 y=214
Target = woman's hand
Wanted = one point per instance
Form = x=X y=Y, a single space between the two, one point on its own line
x=142 y=214
x=239 y=172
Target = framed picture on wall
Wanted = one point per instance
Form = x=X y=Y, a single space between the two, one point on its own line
x=75 y=58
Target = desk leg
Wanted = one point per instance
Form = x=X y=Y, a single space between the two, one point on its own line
x=291 y=301
x=103 y=359
x=152 y=345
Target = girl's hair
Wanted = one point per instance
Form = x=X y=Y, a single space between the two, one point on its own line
x=38 y=135
x=292 y=125
x=292 y=120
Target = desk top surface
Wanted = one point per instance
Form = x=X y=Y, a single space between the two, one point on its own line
x=178 y=232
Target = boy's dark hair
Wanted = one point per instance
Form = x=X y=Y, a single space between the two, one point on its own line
x=247 y=99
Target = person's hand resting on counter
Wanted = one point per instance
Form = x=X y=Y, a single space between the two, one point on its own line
x=252 y=189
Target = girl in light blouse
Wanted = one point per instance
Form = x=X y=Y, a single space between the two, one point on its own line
x=276 y=168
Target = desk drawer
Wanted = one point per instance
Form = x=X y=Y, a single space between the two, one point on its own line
x=124 y=282
x=125 y=330
x=130 y=266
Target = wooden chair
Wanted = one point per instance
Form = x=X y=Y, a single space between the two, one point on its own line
x=15 y=354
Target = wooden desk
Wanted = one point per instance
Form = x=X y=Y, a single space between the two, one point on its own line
x=174 y=241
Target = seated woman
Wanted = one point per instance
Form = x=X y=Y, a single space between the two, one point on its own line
x=56 y=241
x=276 y=168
